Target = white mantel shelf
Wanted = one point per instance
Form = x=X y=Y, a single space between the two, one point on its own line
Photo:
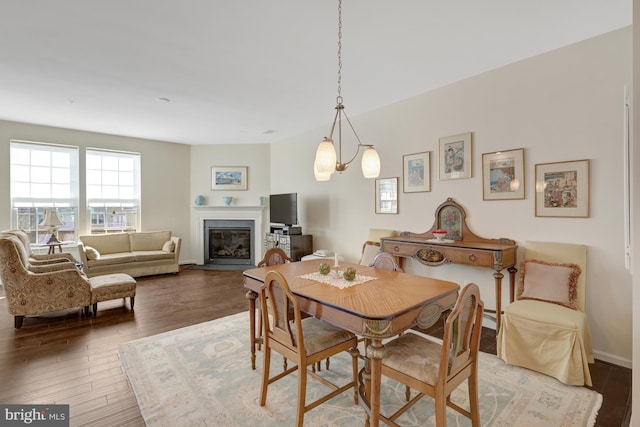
x=202 y=213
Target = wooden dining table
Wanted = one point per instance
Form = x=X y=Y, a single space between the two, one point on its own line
x=381 y=304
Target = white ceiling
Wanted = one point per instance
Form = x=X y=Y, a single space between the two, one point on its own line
x=257 y=71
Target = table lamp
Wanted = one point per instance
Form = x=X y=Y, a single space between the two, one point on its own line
x=52 y=219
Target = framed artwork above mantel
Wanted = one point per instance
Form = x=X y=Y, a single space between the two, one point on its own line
x=229 y=178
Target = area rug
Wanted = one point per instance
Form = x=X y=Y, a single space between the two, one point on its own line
x=201 y=376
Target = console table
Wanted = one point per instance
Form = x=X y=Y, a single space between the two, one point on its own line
x=460 y=246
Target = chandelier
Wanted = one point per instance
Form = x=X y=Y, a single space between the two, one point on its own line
x=327 y=159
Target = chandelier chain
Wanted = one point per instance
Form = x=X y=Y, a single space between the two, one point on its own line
x=339 y=51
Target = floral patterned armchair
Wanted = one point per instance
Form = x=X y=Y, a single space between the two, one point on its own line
x=32 y=289
x=37 y=259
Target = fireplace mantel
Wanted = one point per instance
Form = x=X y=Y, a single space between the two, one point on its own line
x=202 y=213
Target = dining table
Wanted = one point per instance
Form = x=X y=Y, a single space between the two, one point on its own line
x=376 y=305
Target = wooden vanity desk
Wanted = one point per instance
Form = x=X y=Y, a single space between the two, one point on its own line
x=460 y=246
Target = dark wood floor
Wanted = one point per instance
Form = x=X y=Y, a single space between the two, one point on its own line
x=65 y=358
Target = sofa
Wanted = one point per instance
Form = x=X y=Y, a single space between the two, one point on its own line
x=134 y=253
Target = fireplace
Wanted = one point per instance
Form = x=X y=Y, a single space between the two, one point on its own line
x=229 y=242
x=202 y=215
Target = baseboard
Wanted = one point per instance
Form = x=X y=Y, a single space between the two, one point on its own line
x=613 y=359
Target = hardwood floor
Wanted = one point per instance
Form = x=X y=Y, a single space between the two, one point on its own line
x=65 y=358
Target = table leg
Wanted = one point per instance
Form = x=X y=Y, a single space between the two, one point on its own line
x=375 y=353
x=512 y=282
x=252 y=296
x=498 y=276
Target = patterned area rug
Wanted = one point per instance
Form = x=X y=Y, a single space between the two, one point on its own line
x=201 y=376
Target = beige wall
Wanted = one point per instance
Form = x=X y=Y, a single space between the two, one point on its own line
x=165 y=195
x=563 y=105
x=254 y=156
x=635 y=202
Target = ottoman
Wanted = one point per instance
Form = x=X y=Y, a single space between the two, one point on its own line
x=111 y=286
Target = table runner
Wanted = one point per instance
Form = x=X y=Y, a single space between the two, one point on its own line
x=336 y=280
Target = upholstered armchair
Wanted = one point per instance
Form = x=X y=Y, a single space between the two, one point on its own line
x=30 y=292
x=38 y=259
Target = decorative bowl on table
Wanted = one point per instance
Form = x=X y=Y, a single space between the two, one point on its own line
x=439 y=234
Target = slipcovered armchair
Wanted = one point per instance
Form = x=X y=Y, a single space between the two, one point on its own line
x=371 y=246
x=29 y=292
x=546 y=329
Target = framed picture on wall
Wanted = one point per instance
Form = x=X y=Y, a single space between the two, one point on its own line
x=386 y=195
x=503 y=175
x=454 y=157
x=562 y=189
x=416 y=171
x=228 y=177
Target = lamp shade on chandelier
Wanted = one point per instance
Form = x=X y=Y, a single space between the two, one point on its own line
x=327 y=159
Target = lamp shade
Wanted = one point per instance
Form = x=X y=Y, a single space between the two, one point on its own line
x=370 y=163
x=51 y=219
x=320 y=176
x=325 y=162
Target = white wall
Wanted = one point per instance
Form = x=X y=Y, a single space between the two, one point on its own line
x=560 y=106
x=203 y=157
x=164 y=181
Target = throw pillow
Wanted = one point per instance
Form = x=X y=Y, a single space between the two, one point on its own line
x=169 y=246
x=550 y=282
x=92 y=253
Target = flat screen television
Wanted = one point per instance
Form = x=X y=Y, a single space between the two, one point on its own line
x=283 y=208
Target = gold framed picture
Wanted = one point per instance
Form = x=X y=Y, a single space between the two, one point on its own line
x=503 y=175
x=416 y=172
x=454 y=157
x=562 y=189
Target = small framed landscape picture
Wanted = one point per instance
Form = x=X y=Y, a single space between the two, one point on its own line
x=454 y=157
x=416 y=172
x=562 y=189
x=503 y=175
x=228 y=177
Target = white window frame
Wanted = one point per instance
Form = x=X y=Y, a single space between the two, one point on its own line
x=112 y=191
x=44 y=176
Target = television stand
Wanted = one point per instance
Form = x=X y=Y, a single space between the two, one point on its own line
x=295 y=246
x=286 y=229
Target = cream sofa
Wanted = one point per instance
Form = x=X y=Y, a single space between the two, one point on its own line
x=134 y=253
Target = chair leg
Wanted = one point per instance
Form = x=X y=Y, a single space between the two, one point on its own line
x=131 y=301
x=265 y=375
x=302 y=395
x=355 y=353
x=472 y=381
x=440 y=403
x=95 y=309
x=258 y=345
x=17 y=321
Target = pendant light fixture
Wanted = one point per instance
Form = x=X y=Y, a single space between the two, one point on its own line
x=327 y=159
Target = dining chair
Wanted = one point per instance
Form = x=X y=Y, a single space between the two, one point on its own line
x=305 y=341
x=435 y=369
x=546 y=329
x=385 y=261
x=274 y=256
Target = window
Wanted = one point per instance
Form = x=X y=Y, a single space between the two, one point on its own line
x=44 y=176
x=113 y=191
